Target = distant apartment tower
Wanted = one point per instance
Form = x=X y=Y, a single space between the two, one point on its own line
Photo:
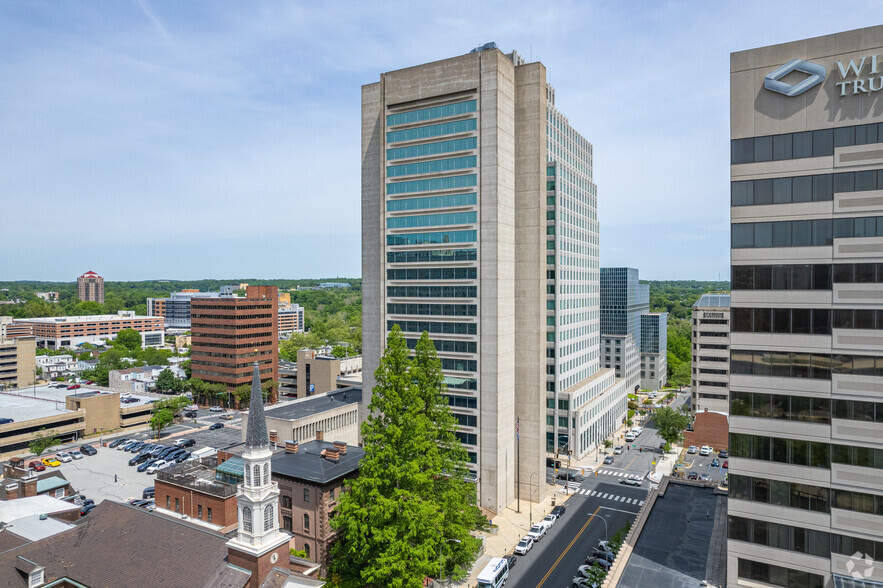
x=90 y=287
x=291 y=319
x=479 y=225
x=710 y=350
x=625 y=312
x=230 y=333
x=17 y=360
x=806 y=413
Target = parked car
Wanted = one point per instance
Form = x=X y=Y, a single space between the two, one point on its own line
x=76 y=454
x=216 y=409
x=603 y=554
x=715 y=463
x=88 y=502
x=632 y=481
x=580 y=582
x=537 y=532
x=51 y=462
x=148 y=492
x=86 y=509
x=63 y=457
x=188 y=443
x=704 y=477
x=608 y=460
x=36 y=466
x=706 y=450
x=140 y=458
x=73 y=387
x=156 y=465
x=723 y=454
x=524 y=545
x=88 y=450
x=692 y=449
x=726 y=464
x=128 y=443
x=617 y=450
x=510 y=560
x=549 y=520
x=601 y=563
x=602 y=544
x=693 y=476
x=88 y=382
x=190 y=414
x=227 y=416
x=146 y=464
x=216 y=426
x=558 y=511
x=182 y=457
x=157 y=450
x=118 y=442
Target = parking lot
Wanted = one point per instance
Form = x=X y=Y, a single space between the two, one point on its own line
x=94 y=476
x=703 y=465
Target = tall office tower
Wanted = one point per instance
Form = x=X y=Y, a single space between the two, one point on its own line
x=654 y=350
x=479 y=225
x=806 y=424
x=231 y=333
x=176 y=308
x=710 y=367
x=90 y=287
x=623 y=300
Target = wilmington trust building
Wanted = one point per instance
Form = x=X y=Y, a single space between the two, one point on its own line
x=806 y=338
x=479 y=225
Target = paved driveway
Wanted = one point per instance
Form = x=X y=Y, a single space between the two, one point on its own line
x=94 y=476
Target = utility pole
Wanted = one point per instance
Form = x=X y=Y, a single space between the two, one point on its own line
x=517 y=464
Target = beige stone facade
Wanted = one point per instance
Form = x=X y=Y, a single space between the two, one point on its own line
x=710 y=367
x=479 y=226
x=806 y=247
x=17 y=362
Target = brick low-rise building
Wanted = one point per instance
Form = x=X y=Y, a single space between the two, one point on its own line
x=70 y=331
x=194 y=489
x=311 y=477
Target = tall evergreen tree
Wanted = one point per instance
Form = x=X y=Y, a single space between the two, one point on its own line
x=400 y=518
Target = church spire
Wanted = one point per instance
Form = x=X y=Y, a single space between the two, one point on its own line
x=256 y=435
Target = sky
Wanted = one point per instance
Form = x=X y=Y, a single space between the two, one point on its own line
x=185 y=140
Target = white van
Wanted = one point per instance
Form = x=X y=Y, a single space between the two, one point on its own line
x=494 y=574
x=629 y=436
x=636 y=431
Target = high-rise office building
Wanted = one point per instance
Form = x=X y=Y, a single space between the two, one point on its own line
x=230 y=333
x=479 y=225
x=806 y=414
x=625 y=312
x=176 y=308
x=90 y=287
x=710 y=351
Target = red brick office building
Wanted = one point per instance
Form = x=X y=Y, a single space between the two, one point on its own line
x=230 y=333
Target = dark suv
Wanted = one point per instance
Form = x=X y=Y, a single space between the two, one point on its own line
x=88 y=450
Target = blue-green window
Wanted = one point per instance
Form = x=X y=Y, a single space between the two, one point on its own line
x=432 y=309
x=432 y=291
x=550 y=171
x=450 y=183
x=460 y=126
x=550 y=245
x=430 y=113
x=432 y=148
x=432 y=238
x=431 y=220
x=428 y=167
x=431 y=202
x=434 y=255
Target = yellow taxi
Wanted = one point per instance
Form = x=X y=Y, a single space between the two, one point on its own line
x=51 y=462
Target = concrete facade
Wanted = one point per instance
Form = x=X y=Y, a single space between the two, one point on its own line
x=806 y=247
x=710 y=368
x=491 y=245
x=654 y=350
x=17 y=362
x=70 y=331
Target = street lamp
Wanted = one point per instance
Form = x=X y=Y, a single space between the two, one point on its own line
x=441 y=555
x=531 y=493
x=606 y=534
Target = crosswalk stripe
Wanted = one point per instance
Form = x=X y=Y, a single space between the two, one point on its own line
x=630 y=501
x=620 y=498
x=641 y=503
x=594 y=492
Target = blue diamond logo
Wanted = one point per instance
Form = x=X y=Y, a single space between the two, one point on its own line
x=815 y=72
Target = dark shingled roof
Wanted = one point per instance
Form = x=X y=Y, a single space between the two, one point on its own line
x=123 y=546
x=9 y=540
x=308 y=463
x=256 y=435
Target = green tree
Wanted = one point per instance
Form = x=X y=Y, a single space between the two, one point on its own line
x=196 y=387
x=153 y=356
x=129 y=339
x=185 y=365
x=392 y=519
x=161 y=419
x=670 y=424
x=43 y=441
x=167 y=382
x=680 y=375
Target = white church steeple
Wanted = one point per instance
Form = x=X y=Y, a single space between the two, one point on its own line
x=258 y=495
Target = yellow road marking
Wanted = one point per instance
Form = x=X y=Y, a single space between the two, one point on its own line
x=563 y=553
